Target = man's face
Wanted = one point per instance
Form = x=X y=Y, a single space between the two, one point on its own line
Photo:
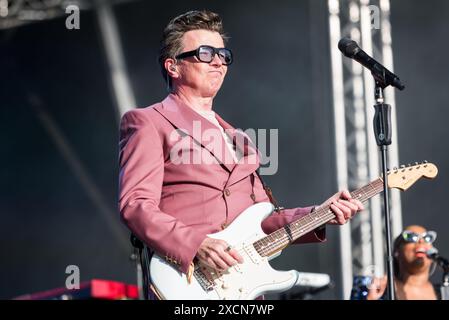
x=204 y=79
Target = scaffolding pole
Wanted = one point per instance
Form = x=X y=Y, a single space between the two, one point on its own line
x=357 y=154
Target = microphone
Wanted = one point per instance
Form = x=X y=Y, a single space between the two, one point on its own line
x=432 y=253
x=381 y=74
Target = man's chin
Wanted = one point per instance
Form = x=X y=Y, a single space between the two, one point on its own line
x=211 y=92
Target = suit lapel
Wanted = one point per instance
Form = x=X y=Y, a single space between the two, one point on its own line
x=201 y=130
x=247 y=153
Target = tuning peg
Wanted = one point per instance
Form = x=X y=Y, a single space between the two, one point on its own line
x=416 y=163
x=402 y=166
x=425 y=161
x=409 y=165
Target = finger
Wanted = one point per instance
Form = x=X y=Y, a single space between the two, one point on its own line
x=223 y=249
x=350 y=205
x=338 y=214
x=236 y=255
x=219 y=243
x=204 y=257
x=227 y=258
x=345 y=194
x=210 y=263
x=343 y=208
x=222 y=265
x=210 y=258
x=358 y=203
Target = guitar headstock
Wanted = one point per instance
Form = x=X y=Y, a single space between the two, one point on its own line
x=405 y=176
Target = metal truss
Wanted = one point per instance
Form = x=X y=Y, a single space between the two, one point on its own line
x=14 y=13
x=357 y=154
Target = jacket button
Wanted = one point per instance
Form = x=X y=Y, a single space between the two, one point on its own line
x=227 y=192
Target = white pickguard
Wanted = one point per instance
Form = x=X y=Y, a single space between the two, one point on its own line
x=248 y=280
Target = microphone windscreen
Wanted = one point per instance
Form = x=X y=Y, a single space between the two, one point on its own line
x=348 y=47
x=431 y=252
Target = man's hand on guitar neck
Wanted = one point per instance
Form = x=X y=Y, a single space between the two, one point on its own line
x=343 y=206
x=217 y=254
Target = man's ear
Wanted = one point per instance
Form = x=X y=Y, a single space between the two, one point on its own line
x=171 y=67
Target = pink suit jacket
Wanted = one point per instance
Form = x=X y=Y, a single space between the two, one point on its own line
x=172 y=204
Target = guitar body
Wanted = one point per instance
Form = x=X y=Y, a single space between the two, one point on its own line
x=248 y=280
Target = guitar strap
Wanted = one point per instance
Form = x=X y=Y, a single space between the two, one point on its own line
x=268 y=191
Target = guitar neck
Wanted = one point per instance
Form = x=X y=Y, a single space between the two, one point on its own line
x=284 y=236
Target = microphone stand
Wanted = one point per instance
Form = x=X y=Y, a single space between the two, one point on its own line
x=444 y=264
x=382 y=131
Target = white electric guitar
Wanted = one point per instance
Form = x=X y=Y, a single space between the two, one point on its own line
x=255 y=276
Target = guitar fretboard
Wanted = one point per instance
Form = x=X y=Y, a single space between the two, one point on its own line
x=284 y=236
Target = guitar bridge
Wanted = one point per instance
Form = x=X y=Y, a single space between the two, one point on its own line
x=204 y=281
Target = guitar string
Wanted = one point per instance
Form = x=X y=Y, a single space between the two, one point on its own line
x=324 y=218
x=214 y=275
x=283 y=239
x=309 y=226
x=305 y=227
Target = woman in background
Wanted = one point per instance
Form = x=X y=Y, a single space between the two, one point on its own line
x=412 y=267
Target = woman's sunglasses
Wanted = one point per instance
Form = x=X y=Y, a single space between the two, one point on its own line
x=410 y=236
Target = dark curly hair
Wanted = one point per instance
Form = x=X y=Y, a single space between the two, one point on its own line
x=398 y=242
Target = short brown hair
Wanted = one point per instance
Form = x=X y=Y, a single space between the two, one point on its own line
x=171 y=44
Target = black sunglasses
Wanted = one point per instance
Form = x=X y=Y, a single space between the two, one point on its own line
x=207 y=54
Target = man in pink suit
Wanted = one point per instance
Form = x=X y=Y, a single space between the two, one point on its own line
x=185 y=172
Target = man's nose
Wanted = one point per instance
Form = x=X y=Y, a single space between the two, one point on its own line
x=216 y=61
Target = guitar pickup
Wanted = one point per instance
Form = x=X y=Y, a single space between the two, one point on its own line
x=252 y=253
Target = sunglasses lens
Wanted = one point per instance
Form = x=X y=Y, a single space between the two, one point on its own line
x=225 y=56
x=206 y=54
x=410 y=236
x=429 y=237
